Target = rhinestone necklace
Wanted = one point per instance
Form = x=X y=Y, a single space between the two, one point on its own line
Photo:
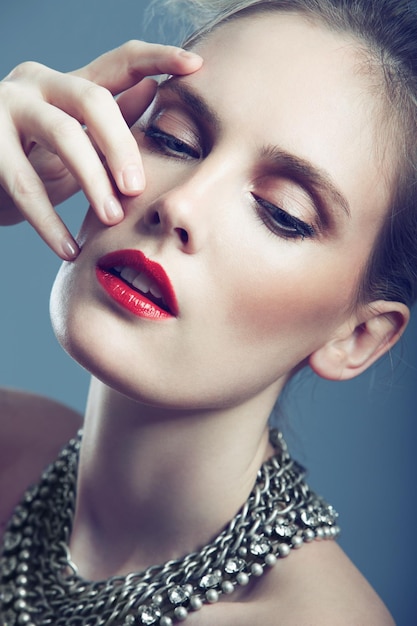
x=39 y=584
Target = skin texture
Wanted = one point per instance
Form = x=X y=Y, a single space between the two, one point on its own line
x=176 y=422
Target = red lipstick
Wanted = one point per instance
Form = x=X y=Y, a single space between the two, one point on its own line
x=138 y=284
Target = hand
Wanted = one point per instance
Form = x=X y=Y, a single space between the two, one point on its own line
x=58 y=129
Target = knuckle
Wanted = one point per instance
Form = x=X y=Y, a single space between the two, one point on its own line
x=48 y=223
x=134 y=46
x=63 y=126
x=25 y=187
x=94 y=96
x=25 y=69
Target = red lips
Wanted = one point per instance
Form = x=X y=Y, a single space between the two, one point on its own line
x=135 y=299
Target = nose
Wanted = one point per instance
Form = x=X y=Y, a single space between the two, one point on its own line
x=189 y=210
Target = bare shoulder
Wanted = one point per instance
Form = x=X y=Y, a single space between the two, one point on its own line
x=32 y=431
x=316 y=585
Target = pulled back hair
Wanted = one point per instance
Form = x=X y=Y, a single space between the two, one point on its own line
x=387 y=30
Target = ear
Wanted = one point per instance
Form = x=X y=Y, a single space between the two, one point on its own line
x=361 y=340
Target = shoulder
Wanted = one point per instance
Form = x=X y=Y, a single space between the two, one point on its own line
x=316 y=585
x=334 y=590
x=32 y=431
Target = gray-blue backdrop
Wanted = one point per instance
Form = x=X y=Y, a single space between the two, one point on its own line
x=356 y=438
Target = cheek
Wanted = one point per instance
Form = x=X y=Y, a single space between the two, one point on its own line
x=294 y=309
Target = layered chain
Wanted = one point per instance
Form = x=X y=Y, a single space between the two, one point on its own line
x=39 y=585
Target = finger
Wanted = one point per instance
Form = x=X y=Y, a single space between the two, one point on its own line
x=122 y=67
x=95 y=107
x=62 y=134
x=26 y=190
x=134 y=101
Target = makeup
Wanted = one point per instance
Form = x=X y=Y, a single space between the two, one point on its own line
x=137 y=284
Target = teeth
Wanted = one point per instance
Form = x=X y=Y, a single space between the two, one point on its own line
x=139 y=281
x=155 y=291
x=128 y=274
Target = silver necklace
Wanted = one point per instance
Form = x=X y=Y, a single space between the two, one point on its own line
x=39 y=585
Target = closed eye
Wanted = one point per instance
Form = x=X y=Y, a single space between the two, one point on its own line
x=169 y=145
x=281 y=222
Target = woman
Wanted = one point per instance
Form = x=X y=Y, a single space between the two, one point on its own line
x=264 y=188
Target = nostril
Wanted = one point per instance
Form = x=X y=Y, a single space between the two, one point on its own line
x=155 y=219
x=183 y=235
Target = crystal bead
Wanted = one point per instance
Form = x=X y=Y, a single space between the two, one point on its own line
x=8 y=566
x=285 y=530
x=310 y=518
x=260 y=546
x=330 y=516
x=150 y=615
x=11 y=541
x=211 y=580
x=7 y=594
x=9 y=618
x=234 y=566
x=178 y=595
x=20 y=515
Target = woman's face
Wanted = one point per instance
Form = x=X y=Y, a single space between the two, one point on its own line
x=263 y=200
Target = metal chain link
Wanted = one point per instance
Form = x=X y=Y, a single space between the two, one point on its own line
x=39 y=585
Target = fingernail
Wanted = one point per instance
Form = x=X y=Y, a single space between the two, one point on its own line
x=113 y=208
x=70 y=249
x=132 y=178
x=189 y=55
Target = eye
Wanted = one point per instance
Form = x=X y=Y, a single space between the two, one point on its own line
x=282 y=223
x=169 y=145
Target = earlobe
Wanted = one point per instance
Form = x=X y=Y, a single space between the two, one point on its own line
x=361 y=340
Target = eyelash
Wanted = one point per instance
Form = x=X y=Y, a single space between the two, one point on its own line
x=282 y=223
x=276 y=219
x=162 y=141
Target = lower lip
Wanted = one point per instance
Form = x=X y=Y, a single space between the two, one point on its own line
x=134 y=301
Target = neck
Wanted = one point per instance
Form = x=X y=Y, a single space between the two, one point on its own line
x=154 y=484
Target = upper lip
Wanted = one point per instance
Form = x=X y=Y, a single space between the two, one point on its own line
x=152 y=273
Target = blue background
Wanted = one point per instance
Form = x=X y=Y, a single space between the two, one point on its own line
x=356 y=438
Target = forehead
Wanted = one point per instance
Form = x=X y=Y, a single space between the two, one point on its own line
x=282 y=79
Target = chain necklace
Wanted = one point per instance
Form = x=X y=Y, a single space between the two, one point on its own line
x=39 y=585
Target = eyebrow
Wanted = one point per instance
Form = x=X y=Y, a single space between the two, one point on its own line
x=310 y=177
x=194 y=101
x=313 y=179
